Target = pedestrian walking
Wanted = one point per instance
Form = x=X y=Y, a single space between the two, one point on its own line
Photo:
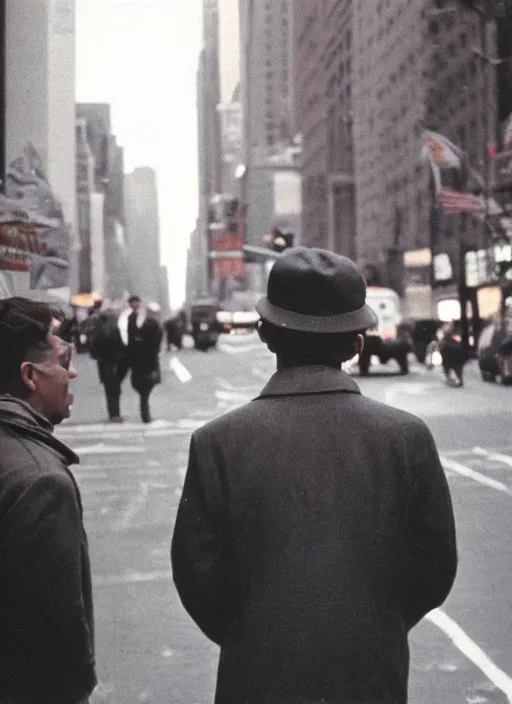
x=174 y=331
x=145 y=358
x=109 y=352
x=315 y=527
x=46 y=610
x=454 y=355
x=134 y=303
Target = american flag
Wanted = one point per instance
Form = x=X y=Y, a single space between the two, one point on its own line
x=454 y=202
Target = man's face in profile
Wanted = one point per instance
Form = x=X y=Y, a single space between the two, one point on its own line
x=50 y=378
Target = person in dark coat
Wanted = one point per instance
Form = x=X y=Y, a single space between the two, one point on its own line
x=174 y=331
x=108 y=350
x=145 y=358
x=454 y=355
x=124 y=365
x=315 y=527
x=46 y=607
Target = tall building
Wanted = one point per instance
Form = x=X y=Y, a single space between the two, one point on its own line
x=323 y=114
x=38 y=141
x=369 y=77
x=210 y=164
x=265 y=34
x=143 y=234
x=231 y=141
x=265 y=72
x=103 y=260
x=209 y=92
x=85 y=168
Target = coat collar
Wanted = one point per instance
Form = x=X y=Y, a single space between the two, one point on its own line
x=308 y=379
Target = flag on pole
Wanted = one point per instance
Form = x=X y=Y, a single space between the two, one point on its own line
x=455 y=202
x=445 y=158
x=452 y=173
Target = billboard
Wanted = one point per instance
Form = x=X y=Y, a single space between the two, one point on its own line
x=34 y=236
x=38 y=199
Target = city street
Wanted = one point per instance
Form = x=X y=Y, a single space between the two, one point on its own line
x=149 y=651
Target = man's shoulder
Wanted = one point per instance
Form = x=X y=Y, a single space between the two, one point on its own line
x=28 y=458
x=229 y=421
x=362 y=412
x=384 y=413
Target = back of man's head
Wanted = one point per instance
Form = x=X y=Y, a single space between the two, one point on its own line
x=24 y=336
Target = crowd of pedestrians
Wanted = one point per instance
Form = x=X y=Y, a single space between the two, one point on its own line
x=140 y=356
x=315 y=527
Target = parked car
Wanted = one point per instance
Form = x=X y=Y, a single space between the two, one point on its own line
x=495 y=352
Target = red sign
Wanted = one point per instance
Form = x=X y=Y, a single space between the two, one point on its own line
x=226 y=242
x=224 y=268
x=17 y=242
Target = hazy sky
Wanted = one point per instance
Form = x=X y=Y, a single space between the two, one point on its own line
x=229 y=50
x=141 y=57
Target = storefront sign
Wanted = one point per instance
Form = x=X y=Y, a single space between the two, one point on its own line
x=443 y=270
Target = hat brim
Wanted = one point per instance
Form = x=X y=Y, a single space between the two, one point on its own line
x=361 y=319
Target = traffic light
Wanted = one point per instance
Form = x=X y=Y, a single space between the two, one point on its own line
x=279 y=241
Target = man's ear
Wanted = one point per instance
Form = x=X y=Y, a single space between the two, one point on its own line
x=359 y=344
x=261 y=331
x=27 y=375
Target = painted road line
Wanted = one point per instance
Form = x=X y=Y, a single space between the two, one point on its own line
x=104 y=449
x=157 y=433
x=493 y=456
x=135 y=506
x=472 y=651
x=132 y=578
x=226 y=385
x=242 y=349
x=180 y=370
x=470 y=473
x=87 y=428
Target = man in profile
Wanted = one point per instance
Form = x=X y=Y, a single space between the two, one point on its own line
x=315 y=527
x=46 y=611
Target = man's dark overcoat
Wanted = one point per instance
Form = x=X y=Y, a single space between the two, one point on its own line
x=314 y=531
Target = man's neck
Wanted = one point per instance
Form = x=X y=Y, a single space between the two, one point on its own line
x=288 y=362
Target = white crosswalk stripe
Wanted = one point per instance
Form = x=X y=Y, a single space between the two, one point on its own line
x=487 y=467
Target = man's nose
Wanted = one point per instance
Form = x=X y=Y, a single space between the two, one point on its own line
x=72 y=372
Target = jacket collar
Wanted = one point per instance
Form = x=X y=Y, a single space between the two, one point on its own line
x=20 y=418
x=309 y=379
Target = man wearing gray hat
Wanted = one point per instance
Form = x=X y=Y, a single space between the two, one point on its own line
x=315 y=527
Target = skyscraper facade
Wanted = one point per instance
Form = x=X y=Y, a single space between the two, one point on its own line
x=265 y=35
x=369 y=78
x=143 y=234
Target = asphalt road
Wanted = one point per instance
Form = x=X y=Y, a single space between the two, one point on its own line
x=131 y=477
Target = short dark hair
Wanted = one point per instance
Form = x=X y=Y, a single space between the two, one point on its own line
x=134 y=299
x=309 y=347
x=24 y=329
